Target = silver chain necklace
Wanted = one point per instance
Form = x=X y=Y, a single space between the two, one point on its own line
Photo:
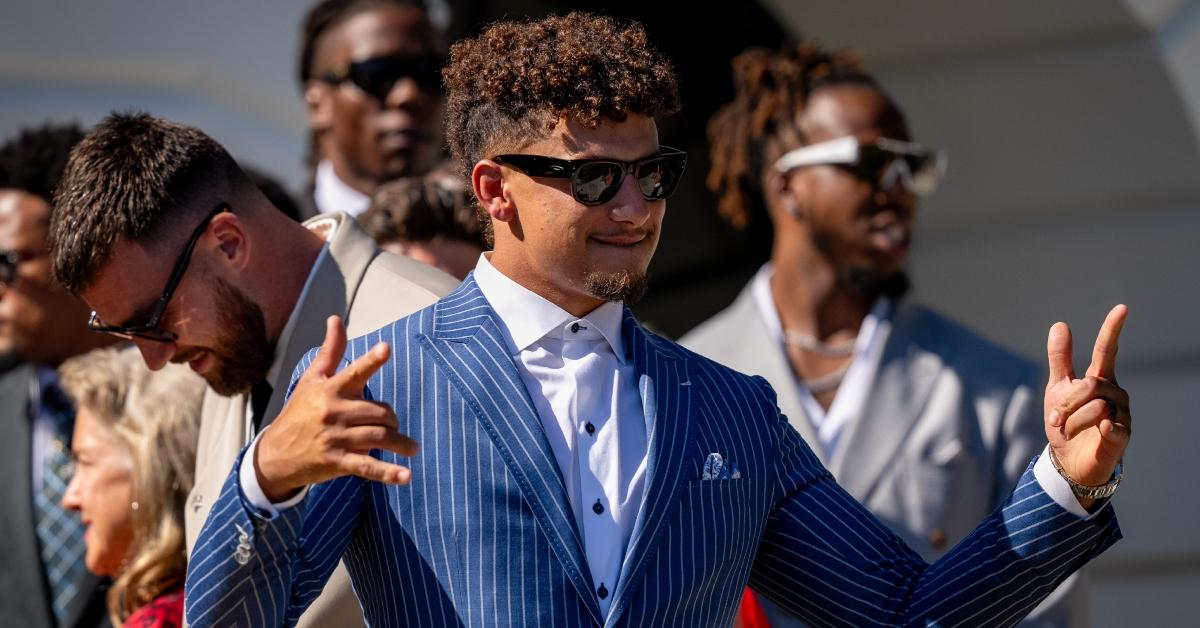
x=826 y=382
x=804 y=341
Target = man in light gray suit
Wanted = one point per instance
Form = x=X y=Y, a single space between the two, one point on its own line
x=248 y=292
x=923 y=421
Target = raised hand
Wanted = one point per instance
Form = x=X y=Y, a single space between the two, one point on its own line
x=327 y=430
x=1087 y=420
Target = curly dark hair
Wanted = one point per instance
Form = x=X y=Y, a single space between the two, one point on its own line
x=509 y=86
x=34 y=161
x=771 y=89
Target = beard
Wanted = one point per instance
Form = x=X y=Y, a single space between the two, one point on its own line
x=866 y=280
x=244 y=355
x=623 y=285
x=870 y=283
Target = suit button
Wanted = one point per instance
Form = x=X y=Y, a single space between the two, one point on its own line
x=598 y=508
x=602 y=592
x=589 y=428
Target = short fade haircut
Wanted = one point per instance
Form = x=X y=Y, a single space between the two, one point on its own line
x=133 y=178
x=34 y=161
x=508 y=87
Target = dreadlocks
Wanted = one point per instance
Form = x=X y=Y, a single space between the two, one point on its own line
x=771 y=90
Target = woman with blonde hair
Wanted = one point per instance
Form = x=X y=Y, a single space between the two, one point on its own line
x=135 y=449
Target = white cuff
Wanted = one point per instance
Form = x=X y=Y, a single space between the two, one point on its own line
x=248 y=479
x=1057 y=487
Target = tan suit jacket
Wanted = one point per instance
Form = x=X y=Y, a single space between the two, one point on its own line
x=369 y=288
x=949 y=425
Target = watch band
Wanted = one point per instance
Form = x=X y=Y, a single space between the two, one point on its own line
x=1103 y=491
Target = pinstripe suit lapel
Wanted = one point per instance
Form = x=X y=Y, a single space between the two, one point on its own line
x=468 y=344
x=666 y=393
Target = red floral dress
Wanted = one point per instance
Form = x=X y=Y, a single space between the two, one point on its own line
x=165 y=611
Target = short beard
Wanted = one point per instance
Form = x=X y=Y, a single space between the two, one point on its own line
x=244 y=356
x=619 y=286
x=872 y=284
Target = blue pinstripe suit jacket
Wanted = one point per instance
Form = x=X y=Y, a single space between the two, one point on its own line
x=484 y=535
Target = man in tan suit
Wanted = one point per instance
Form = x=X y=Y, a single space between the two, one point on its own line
x=248 y=293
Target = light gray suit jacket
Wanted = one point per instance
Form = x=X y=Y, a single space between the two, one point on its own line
x=949 y=425
x=369 y=288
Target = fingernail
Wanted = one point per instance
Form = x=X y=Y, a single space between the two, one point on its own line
x=1055 y=418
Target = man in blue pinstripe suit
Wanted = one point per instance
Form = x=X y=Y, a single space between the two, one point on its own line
x=574 y=468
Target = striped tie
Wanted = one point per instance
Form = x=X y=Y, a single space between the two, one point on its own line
x=59 y=531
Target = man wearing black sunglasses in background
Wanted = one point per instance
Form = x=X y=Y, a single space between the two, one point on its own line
x=925 y=422
x=176 y=249
x=43 y=581
x=369 y=71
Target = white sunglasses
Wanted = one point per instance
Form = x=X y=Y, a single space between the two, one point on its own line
x=884 y=161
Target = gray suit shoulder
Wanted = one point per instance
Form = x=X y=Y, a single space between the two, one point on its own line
x=983 y=362
x=391 y=268
x=713 y=337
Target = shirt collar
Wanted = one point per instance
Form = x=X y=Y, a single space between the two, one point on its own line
x=760 y=287
x=528 y=317
x=331 y=194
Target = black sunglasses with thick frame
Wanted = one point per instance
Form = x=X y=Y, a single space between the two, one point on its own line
x=378 y=75
x=150 y=329
x=596 y=181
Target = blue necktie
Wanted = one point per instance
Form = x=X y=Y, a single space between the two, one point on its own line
x=59 y=531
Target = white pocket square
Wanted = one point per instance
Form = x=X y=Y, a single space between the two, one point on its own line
x=716 y=469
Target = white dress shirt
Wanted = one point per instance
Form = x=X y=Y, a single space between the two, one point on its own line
x=851 y=396
x=585 y=390
x=856 y=384
x=584 y=387
x=331 y=194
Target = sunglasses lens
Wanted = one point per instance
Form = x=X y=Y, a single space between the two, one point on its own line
x=917 y=172
x=8 y=266
x=658 y=177
x=378 y=76
x=596 y=182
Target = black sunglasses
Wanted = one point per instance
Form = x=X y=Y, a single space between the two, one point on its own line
x=9 y=261
x=596 y=181
x=150 y=329
x=378 y=75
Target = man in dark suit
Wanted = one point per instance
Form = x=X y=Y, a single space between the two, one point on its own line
x=575 y=469
x=43 y=581
x=369 y=75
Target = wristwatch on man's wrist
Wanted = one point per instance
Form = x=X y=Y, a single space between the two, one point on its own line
x=1103 y=491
